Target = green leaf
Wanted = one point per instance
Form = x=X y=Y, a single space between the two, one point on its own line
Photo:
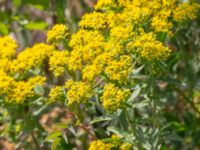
x=134 y=95
x=36 y=26
x=61 y=125
x=39 y=90
x=40 y=110
x=53 y=135
x=55 y=143
x=103 y=118
x=3 y=29
x=141 y=104
x=60 y=9
x=117 y=131
x=140 y=135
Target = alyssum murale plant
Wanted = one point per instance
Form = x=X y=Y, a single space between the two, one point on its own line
x=102 y=52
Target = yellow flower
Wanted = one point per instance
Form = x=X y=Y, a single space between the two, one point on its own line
x=32 y=57
x=58 y=62
x=95 y=20
x=90 y=72
x=103 y=4
x=78 y=92
x=149 y=48
x=125 y=146
x=5 y=64
x=24 y=90
x=6 y=83
x=160 y=22
x=119 y=69
x=114 y=97
x=86 y=45
x=99 y=145
x=121 y=33
x=56 y=94
x=7 y=47
x=186 y=11
x=57 y=33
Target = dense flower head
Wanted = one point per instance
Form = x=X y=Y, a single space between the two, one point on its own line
x=86 y=46
x=160 y=22
x=78 y=92
x=24 y=90
x=99 y=145
x=105 y=4
x=94 y=20
x=6 y=83
x=7 y=47
x=121 y=33
x=5 y=64
x=114 y=97
x=32 y=57
x=58 y=62
x=186 y=11
x=125 y=146
x=149 y=48
x=56 y=94
x=90 y=72
x=116 y=143
x=57 y=33
x=119 y=69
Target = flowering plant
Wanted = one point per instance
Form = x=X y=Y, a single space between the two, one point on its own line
x=120 y=79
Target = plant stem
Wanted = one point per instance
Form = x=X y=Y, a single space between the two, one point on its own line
x=35 y=141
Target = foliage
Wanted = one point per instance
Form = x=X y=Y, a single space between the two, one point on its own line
x=127 y=79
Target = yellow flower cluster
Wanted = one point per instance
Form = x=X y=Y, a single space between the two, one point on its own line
x=118 y=143
x=87 y=45
x=104 y=4
x=7 y=47
x=7 y=52
x=94 y=20
x=99 y=145
x=108 y=39
x=6 y=83
x=24 y=90
x=149 y=48
x=56 y=94
x=12 y=88
x=104 y=47
x=78 y=92
x=115 y=143
x=114 y=97
x=32 y=58
x=125 y=146
x=119 y=69
x=160 y=21
x=57 y=33
x=186 y=11
x=58 y=62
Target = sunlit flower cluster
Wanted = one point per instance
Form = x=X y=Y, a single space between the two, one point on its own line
x=102 y=52
x=100 y=145
x=32 y=58
x=24 y=90
x=78 y=92
x=56 y=94
x=57 y=33
x=114 y=97
x=58 y=62
x=149 y=48
x=7 y=47
x=116 y=143
x=186 y=11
